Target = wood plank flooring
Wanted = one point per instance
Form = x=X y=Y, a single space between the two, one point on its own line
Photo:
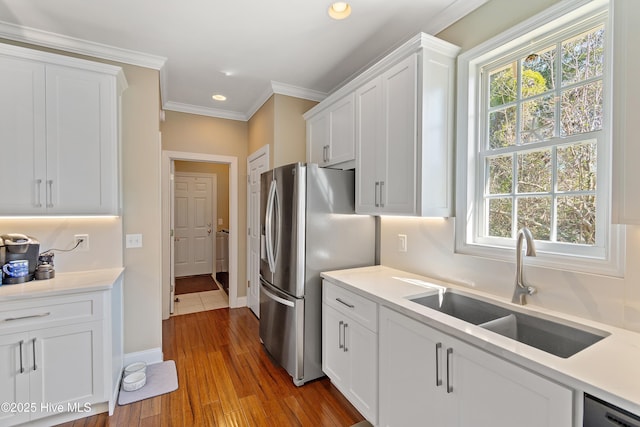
x=226 y=379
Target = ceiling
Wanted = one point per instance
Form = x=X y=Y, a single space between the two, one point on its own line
x=244 y=49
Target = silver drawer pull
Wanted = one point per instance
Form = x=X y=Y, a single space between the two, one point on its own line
x=345 y=303
x=21 y=365
x=31 y=316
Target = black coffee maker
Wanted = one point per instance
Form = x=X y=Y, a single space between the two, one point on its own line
x=18 y=247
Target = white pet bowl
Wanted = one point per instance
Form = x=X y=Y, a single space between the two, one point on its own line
x=135 y=381
x=135 y=367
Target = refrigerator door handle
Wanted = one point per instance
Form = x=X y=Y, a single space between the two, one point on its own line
x=277 y=298
x=269 y=226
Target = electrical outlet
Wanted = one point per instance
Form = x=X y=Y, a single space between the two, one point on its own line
x=133 y=241
x=81 y=242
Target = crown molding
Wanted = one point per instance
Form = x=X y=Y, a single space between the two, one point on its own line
x=452 y=14
x=297 y=91
x=203 y=111
x=79 y=46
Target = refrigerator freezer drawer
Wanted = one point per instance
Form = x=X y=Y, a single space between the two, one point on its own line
x=282 y=329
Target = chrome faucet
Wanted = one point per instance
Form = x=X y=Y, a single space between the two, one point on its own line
x=521 y=289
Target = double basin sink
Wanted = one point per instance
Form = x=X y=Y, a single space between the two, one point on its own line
x=552 y=336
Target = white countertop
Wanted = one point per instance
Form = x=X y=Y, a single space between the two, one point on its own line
x=63 y=283
x=609 y=369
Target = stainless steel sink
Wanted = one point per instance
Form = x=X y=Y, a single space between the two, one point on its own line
x=552 y=336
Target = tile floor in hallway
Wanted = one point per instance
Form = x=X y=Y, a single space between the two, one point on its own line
x=200 y=301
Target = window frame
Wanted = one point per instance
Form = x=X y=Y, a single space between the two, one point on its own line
x=606 y=257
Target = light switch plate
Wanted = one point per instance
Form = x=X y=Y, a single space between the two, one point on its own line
x=402 y=243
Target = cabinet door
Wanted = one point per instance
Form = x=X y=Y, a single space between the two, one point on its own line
x=369 y=129
x=318 y=138
x=14 y=379
x=342 y=139
x=412 y=387
x=81 y=142
x=362 y=348
x=22 y=136
x=69 y=365
x=400 y=93
x=335 y=361
x=493 y=392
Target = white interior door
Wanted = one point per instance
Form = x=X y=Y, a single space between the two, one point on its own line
x=172 y=250
x=257 y=163
x=193 y=232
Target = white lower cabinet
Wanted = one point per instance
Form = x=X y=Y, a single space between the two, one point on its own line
x=350 y=347
x=52 y=356
x=430 y=378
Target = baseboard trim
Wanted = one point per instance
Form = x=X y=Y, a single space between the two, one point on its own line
x=151 y=356
x=240 y=302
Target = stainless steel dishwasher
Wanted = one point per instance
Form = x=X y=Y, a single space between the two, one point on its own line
x=598 y=413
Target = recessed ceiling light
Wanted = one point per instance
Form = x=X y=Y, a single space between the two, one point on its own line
x=339 y=10
x=219 y=97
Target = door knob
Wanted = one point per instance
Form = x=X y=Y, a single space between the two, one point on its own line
x=209 y=231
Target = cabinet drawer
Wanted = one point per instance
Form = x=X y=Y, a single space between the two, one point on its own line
x=358 y=308
x=32 y=314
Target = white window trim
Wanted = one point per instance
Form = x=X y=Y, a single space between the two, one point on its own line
x=468 y=128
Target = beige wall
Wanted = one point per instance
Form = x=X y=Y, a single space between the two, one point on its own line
x=279 y=124
x=222 y=188
x=140 y=171
x=290 y=130
x=491 y=19
x=261 y=129
x=611 y=300
x=207 y=135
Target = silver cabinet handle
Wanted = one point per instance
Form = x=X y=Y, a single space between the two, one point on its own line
x=38 y=201
x=438 y=378
x=376 y=194
x=340 y=345
x=30 y=316
x=50 y=193
x=381 y=194
x=21 y=364
x=449 y=363
x=344 y=328
x=325 y=153
x=345 y=303
x=34 y=354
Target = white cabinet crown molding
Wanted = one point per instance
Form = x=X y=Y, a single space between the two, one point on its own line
x=421 y=40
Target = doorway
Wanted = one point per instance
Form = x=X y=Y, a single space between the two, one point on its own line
x=200 y=215
x=169 y=159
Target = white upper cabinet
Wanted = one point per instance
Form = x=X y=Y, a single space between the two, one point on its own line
x=396 y=120
x=58 y=134
x=331 y=134
x=404 y=133
x=386 y=140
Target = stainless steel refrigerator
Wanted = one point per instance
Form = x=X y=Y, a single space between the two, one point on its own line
x=308 y=225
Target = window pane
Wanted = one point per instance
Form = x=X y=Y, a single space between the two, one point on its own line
x=502 y=128
x=503 y=85
x=500 y=217
x=583 y=57
x=582 y=109
x=577 y=219
x=538 y=72
x=534 y=172
x=577 y=167
x=535 y=213
x=538 y=119
x=500 y=174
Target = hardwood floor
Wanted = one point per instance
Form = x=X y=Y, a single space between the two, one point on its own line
x=226 y=379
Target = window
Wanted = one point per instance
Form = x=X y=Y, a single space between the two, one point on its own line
x=536 y=149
